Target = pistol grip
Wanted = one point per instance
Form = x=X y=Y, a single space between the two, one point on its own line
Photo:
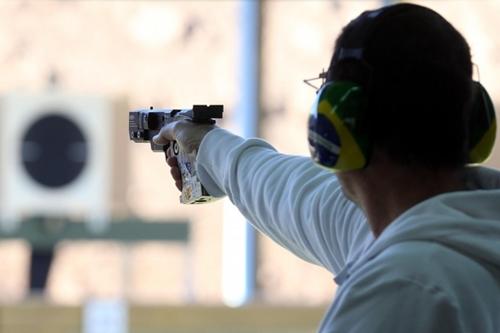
x=193 y=191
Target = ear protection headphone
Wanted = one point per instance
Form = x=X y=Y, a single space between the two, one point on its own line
x=336 y=140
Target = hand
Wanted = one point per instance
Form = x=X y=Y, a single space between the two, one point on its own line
x=174 y=169
x=188 y=136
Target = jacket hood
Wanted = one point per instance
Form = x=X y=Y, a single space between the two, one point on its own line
x=467 y=222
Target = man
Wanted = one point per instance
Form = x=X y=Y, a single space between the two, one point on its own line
x=411 y=233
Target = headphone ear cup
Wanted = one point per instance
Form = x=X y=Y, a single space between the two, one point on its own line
x=336 y=139
x=482 y=125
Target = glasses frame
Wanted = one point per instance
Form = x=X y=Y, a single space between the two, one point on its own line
x=321 y=76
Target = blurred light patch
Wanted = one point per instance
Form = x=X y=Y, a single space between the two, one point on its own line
x=153 y=26
x=234 y=257
x=307 y=38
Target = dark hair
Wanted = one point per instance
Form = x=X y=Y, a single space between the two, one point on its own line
x=417 y=73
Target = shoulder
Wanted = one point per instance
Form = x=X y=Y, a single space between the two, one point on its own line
x=424 y=285
x=424 y=263
x=425 y=270
x=400 y=286
x=387 y=282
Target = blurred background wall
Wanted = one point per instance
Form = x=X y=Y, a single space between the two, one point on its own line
x=174 y=54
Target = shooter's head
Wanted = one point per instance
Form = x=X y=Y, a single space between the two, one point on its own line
x=415 y=72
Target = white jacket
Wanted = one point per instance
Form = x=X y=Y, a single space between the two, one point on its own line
x=436 y=268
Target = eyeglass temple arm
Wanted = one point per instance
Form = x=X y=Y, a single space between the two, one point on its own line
x=321 y=76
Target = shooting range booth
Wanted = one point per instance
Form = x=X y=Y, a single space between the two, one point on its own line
x=43 y=234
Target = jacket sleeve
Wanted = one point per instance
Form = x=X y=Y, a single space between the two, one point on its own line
x=294 y=202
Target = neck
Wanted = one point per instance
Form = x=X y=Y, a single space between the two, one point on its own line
x=385 y=191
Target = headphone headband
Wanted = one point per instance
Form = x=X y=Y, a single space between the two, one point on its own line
x=359 y=30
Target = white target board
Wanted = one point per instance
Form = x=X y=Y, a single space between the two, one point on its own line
x=55 y=158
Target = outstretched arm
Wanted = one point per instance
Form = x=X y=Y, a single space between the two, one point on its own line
x=296 y=203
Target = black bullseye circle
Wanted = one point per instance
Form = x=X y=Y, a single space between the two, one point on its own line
x=54 y=150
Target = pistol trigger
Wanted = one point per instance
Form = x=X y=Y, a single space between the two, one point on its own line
x=175 y=148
